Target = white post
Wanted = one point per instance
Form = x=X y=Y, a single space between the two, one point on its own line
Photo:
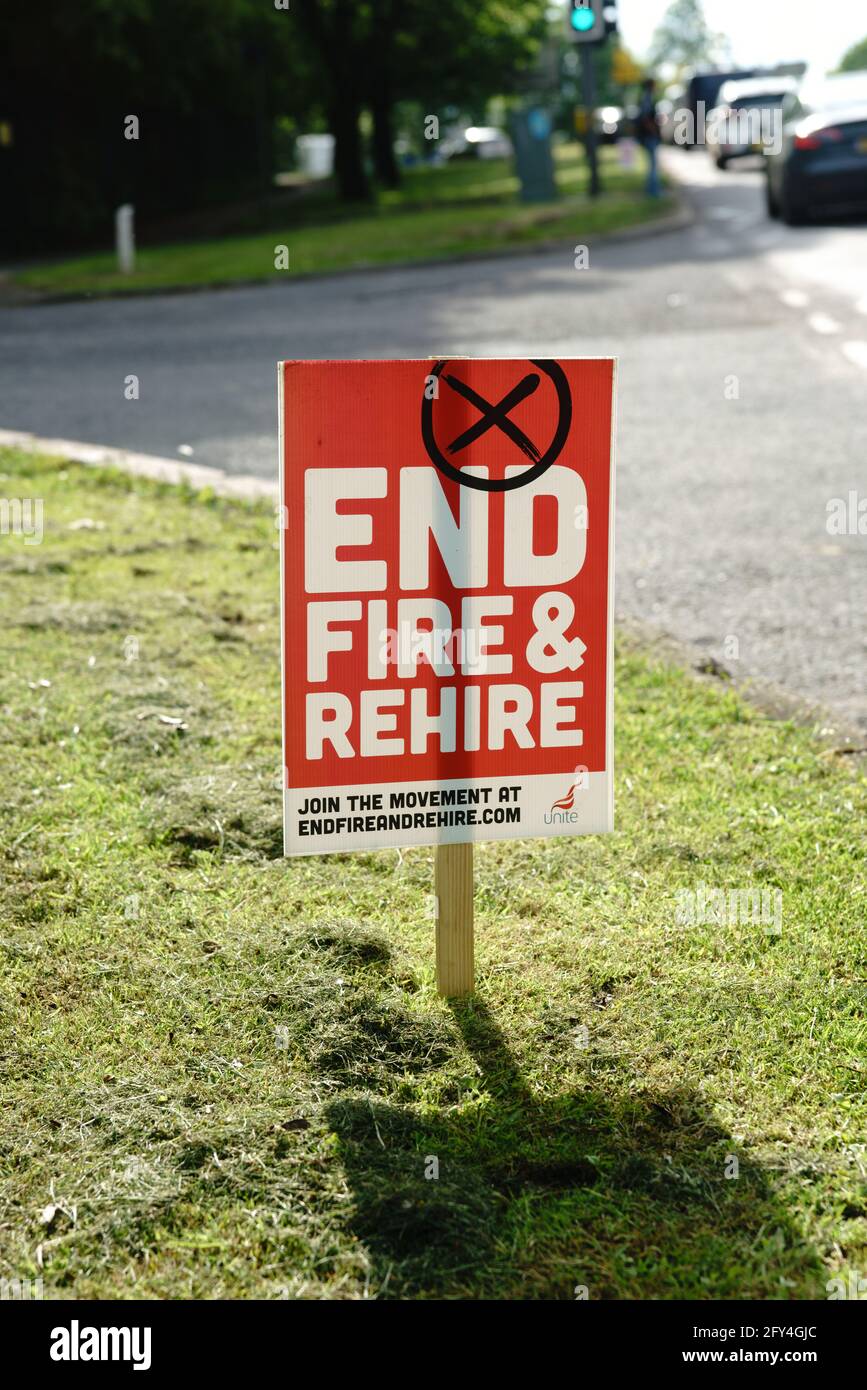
x=124 y=238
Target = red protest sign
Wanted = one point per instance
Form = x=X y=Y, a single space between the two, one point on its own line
x=446 y=573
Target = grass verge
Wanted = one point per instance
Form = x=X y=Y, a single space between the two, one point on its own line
x=226 y=1075
x=453 y=210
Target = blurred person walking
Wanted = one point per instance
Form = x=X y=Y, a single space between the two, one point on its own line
x=648 y=134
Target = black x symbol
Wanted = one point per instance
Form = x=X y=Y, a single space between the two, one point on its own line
x=498 y=415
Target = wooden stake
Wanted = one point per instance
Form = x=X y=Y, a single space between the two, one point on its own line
x=453 y=877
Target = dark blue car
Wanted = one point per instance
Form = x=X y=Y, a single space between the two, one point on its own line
x=821 y=166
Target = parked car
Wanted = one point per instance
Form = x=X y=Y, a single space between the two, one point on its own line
x=741 y=123
x=610 y=123
x=822 y=164
x=478 y=142
x=702 y=93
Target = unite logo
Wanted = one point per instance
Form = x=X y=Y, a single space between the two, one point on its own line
x=77 y=1343
x=564 y=808
x=567 y=802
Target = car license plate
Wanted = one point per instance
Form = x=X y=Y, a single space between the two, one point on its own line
x=861 y=145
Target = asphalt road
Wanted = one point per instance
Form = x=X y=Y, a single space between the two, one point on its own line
x=743 y=370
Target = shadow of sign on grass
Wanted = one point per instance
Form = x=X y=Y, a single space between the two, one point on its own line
x=578 y=1196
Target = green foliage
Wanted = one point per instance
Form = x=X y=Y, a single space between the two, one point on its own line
x=855 y=58
x=375 y=52
x=205 y=79
x=683 y=37
x=454 y=50
x=208 y=80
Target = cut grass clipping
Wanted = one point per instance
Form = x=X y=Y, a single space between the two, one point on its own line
x=457 y=209
x=228 y=1075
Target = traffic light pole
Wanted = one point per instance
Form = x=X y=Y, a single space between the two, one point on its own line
x=588 y=88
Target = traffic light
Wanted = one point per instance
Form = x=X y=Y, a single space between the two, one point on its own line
x=587 y=22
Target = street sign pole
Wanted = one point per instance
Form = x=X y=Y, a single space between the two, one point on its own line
x=588 y=87
x=446 y=644
x=453 y=883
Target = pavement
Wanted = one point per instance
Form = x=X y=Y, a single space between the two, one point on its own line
x=743 y=369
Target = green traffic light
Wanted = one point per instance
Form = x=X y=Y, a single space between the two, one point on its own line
x=583 y=19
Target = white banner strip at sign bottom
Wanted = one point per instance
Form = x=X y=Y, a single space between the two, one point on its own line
x=321 y=820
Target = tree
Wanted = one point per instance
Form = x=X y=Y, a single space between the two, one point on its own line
x=204 y=79
x=375 y=53
x=855 y=58
x=683 y=38
x=463 y=52
x=338 y=32
x=382 y=87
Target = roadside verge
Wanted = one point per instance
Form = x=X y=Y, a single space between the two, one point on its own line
x=221 y=1035
x=16 y=292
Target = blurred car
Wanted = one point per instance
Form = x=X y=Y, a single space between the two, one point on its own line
x=822 y=164
x=666 y=112
x=478 y=142
x=702 y=94
x=610 y=123
x=742 y=120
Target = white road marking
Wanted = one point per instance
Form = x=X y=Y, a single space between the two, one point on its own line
x=795 y=299
x=769 y=238
x=861 y=306
x=823 y=323
x=857 y=353
x=739 y=280
x=834 y=261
